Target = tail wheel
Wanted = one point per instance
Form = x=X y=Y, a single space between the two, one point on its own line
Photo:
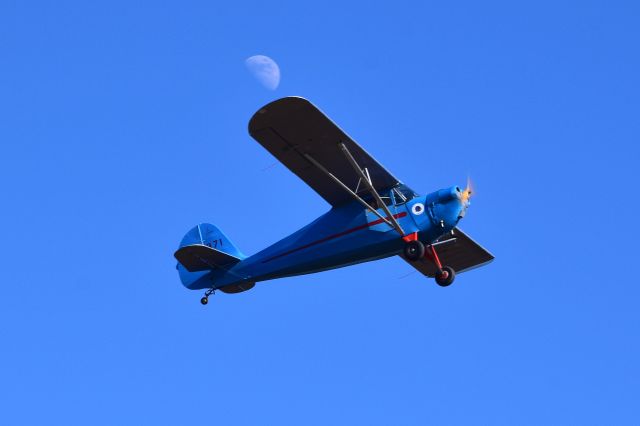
x=414 y=250
x=445 y=276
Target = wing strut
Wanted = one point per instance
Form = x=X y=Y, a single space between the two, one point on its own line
x=346 y=188
x=367 y=181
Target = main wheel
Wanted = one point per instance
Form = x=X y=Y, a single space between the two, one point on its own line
x=445 y=276
x=204 y=300
x=414 y=250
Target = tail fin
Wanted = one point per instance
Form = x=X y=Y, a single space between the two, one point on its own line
x=203 y=249
x=209 y=235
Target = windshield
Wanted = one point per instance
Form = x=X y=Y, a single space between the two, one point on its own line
x=402 y=193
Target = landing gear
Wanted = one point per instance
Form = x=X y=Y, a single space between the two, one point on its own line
x=414 y=250
x=445 y=276
x=205 y=298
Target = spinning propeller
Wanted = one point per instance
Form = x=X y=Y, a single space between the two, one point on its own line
x=466 y=194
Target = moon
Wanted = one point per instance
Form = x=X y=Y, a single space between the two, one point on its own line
x=265 y=70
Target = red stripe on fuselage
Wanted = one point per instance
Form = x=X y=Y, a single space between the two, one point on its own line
x=331 y=237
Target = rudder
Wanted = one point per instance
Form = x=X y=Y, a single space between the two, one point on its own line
x=210 y=236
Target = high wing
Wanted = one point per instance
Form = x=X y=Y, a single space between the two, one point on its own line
x=456 y=250
x=293 y=130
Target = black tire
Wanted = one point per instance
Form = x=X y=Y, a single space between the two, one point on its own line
x=414 y=250
x=204 y=300
x=445 y=276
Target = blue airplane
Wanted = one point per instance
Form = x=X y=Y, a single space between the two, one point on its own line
x=373 y=215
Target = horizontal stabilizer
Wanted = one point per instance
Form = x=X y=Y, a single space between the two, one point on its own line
x=198 y=257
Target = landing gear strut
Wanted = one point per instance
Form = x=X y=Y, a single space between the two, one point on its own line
x=445 y=274
x=207 y=293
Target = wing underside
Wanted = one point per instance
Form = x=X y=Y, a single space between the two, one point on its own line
x=456 y=250
x=293 y=129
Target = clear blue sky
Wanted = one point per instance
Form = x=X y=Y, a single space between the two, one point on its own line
x=123 y=125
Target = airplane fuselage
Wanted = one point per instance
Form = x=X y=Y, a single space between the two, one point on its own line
x=345 y=235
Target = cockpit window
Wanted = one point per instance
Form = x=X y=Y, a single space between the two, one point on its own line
x=399 y=197
x=386 y=198
x=402 y=193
